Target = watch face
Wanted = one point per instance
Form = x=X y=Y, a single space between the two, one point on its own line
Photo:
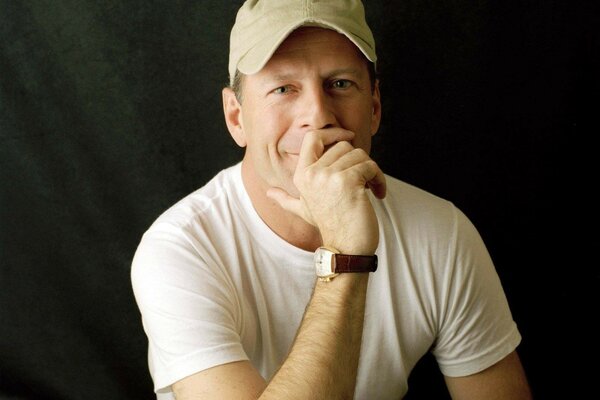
x=324 y=262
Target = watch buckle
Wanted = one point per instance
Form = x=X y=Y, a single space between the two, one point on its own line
x=327 y=278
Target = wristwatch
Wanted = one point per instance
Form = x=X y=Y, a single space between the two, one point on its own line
x=329 y=263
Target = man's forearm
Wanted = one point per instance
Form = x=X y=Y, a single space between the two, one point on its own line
x=323 y=361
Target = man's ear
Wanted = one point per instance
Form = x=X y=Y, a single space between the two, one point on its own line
x=376 y=115
x=233 y=116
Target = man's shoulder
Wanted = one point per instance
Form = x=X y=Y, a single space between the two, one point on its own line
x=215 y=195
x=408 y=208
x=406 y=195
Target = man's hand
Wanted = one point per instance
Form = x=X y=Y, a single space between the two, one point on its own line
x=332 y=178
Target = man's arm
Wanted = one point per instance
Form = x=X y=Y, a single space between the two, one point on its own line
x=236 y=380
x=323 y=360
x=322 y=363
x=504 y=380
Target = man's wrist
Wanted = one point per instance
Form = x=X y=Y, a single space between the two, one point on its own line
x=351 y=248
x=329 y=263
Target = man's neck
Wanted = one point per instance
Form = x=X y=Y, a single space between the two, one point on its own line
x=286 y=225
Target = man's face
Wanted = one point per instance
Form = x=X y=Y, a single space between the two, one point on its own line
x=317 y=79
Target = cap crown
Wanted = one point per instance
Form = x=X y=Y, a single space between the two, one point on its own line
x=262 y=25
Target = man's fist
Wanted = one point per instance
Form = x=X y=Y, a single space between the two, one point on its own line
x=332 y=178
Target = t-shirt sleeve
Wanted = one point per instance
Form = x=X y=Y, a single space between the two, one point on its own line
x=189 y=307
x=476 y=326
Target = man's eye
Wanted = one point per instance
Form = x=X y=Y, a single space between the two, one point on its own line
x=341 y=84
x=281 y=90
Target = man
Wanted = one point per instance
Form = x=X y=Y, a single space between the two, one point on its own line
x=225 y=279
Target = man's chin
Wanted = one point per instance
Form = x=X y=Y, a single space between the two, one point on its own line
x=290 y=165
x=292 y=160
x=289 y=187
x=286 y=173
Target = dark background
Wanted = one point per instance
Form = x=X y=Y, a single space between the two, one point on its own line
x=111 y=111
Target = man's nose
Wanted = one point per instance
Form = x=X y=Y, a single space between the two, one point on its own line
x=317 y=109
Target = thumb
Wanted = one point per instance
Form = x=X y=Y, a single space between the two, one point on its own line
x=287 y=202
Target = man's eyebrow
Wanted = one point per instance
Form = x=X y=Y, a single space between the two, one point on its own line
x=279 y=77
x=343 y=71
x=290 y=76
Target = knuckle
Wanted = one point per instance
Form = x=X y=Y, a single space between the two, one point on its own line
x=361 y=153
x=344 y=145
x=311 y=173
x=310 y=177
x=371 y=164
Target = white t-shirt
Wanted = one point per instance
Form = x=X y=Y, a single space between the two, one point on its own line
x=215 y=285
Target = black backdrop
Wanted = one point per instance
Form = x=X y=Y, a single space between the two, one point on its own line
x=110 y=112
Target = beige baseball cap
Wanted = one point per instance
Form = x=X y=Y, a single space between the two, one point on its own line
x=262 y=25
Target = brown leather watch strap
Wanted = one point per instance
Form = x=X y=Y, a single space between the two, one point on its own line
x=352 y=263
